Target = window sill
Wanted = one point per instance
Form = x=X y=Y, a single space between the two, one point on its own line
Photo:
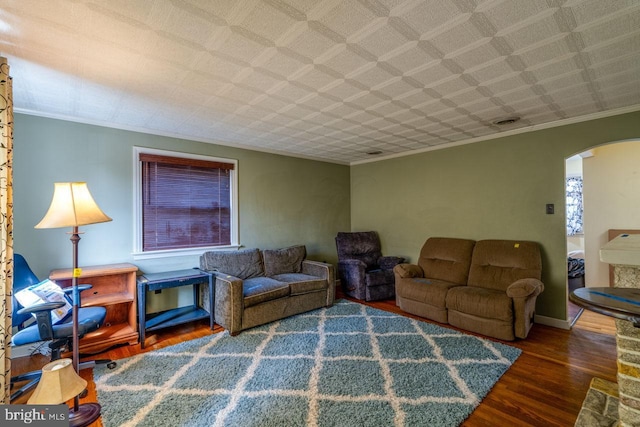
x=180 y=252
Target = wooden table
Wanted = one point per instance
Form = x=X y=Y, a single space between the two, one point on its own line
x=114 y=288
x=621 y=303
x=175 y=316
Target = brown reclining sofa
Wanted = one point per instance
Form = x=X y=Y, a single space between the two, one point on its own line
x=488 y=287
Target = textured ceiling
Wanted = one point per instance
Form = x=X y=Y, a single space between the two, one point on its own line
x=329 y=80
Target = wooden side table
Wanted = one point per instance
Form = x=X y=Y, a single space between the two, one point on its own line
x=174 y=316
x=114 y=288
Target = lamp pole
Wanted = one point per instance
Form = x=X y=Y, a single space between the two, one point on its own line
x=75 y=238
x=72 y=205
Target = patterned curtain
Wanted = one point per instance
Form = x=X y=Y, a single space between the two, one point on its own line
x=574 y=206
x=6 y=227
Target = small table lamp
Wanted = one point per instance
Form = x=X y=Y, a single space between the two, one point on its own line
x=73 y=206
x=60 y=382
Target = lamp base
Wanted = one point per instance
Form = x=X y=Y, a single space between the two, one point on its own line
x=85 y=415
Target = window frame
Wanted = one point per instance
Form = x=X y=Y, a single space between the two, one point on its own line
x=138 y=252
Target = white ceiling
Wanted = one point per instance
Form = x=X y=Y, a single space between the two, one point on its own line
x=329 y=80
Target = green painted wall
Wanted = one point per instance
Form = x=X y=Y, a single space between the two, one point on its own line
x=491 y=189
x=283 y=200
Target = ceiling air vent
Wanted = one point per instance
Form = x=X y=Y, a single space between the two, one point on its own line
x=506 y=121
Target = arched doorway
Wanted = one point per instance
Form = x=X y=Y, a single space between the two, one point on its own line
x=611 y=200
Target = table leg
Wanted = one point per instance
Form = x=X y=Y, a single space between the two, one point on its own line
x=211 y=300
x=142 y=312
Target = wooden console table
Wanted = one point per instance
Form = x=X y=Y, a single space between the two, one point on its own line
x=114 y=288
x=174 y=316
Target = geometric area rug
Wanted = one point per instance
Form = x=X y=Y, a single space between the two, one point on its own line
x=346 y=365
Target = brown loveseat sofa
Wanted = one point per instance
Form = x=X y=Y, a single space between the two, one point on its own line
x=488 y=287
x=254 y=287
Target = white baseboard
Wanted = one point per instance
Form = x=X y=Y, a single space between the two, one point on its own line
x=552 y=321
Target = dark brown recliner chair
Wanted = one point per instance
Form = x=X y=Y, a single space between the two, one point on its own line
x=364 y=273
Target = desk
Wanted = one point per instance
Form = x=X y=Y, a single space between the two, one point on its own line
x=621 y=303
x=175 y=316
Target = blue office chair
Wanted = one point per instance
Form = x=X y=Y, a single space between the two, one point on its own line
x=60 y=334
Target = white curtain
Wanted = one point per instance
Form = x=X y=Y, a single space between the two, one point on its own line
x=6 y=227
x=574 y=206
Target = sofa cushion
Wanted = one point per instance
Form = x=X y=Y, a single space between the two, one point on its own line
x=481 y=302
x=496 y=264
x=446 y=259
x=243 y=264
x=302 y=283
x=261 y=289
x=427 y=291
x=285 y=260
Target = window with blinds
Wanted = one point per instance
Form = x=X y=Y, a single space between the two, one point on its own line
x=185 y=202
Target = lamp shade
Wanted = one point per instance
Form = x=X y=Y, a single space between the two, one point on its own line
x=59 y=383
x=72 y=206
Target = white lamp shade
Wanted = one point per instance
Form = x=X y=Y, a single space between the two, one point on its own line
x=72 y=206
x=59 y=383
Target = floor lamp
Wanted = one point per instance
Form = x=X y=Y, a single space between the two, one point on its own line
x=73 y=206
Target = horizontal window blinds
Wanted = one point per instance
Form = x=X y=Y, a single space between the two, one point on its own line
x=186 y=203
x=154 y=158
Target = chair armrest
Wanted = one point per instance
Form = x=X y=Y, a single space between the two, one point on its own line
x=352 y=262
x=405 y=271
x=228 y=301
x=351 y=273
x=43 y=317
x=352 y=267
x=38 y=308
x=524 y=288
x=84 y=287
x=388 y=262
x=81 y=288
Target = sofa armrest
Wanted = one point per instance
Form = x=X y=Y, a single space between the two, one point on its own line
x=324 y=270
x=316 y=268
x=405 y=270
x=524 y=293
x=524 y=288
x=388 y=262
x=228 y=302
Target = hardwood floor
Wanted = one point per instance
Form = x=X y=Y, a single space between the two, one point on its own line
x=544 y=387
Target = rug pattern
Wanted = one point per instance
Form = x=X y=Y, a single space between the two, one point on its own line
x=346 y=365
